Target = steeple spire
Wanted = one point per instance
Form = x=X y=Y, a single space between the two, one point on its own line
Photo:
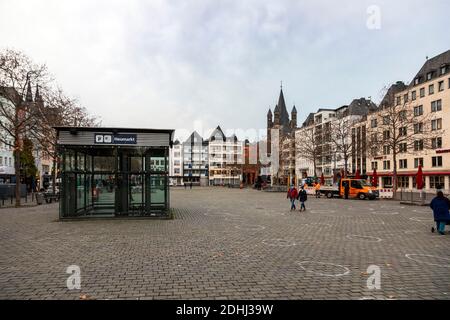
x=29 y=96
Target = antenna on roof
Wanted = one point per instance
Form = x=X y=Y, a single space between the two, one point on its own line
x=426 y=57
x=281 y=86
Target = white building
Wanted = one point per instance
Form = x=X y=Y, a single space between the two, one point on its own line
x=195 y=160
x=176 y=164
x=225 y=159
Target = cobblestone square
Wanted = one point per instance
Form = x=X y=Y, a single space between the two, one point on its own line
x=228 y=244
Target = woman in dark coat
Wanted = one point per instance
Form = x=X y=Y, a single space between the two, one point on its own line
x=441 y=207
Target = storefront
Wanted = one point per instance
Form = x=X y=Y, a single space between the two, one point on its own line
x=110 y=172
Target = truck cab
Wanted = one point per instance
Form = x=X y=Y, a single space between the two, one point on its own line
x=358 y=188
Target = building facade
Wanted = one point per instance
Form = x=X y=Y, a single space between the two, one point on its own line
x=195 y=155
x=427 y=100
x=176 y=164
x=225 y=159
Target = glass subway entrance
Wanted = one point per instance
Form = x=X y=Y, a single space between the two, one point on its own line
x=114 y=181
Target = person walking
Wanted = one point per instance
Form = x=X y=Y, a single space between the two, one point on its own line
x=440 y=206
x=190 y=185
x=346 y=189
x=317 y=187
x=302 y=197
x=185 y=185
x=292 y=195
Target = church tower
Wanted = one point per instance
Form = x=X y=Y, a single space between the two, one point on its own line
x=269 y=127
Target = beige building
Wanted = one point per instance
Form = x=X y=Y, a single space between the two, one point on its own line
x=427 y=100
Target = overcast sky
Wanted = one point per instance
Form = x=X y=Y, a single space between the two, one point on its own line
x=174 y=64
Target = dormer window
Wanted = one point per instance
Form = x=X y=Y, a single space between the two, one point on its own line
x=429 y=75
x=443 y=70
x=416 y=81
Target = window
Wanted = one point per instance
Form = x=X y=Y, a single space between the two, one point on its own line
x=403 y=163
x=176 y=170
x=386 y=135
x=176 y=162
x=9 y=162
x=416 y=81
x=443 y=69
x=429 y=76
x=373 y=123
x=386 y=150
x=436 y=161
x=403 y=148
x=413 y=95
x=436 y=124
x=418 y=111
x=422 y=92
x=402 y=115
x=374 y=165
x=405 y=98
x=431 y=89
x=417 y=162
x=399 y=100
x=403 y=131
x=436 y=182
x=386 y=120
x=403 y=182
x=441 y=86
x=418 y=127
x=386 y=165
x=436 y=143
x=436 y=106
x=418 y=145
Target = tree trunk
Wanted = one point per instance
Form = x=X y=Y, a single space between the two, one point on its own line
x=17 y=173
x=394 y=175
x=345 y=166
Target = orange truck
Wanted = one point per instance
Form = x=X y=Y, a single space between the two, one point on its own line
x=357 y=189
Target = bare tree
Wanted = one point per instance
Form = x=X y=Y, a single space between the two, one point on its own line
x=17 y=114
x=400 y=126
x=340 y=137
x=308 y=145
x=53 y=109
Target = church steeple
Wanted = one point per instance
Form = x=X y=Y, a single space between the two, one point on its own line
x=37 y=97
x=284 y=116
x=294 y=117
x=29 y=96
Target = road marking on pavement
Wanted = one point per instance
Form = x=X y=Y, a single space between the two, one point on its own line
x=412 y=256
x=421 y=219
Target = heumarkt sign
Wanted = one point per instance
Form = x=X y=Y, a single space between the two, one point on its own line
x=109 y=138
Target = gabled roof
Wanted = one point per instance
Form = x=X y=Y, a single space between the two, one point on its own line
x=11 y=94
x=217 y=134
x=433 y=65
x=195 y=136
x=309 y=120
x=389 y=97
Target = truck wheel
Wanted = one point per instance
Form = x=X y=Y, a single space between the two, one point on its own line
x=329 y=195
x=362 y=196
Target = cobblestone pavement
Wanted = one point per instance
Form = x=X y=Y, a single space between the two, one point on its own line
x=228 y=244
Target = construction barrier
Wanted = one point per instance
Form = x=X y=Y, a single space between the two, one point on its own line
x=386 y=193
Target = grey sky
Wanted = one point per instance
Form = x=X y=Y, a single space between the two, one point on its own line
x=166 y=64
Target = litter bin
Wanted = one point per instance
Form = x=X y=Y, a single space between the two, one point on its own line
x=39 y=198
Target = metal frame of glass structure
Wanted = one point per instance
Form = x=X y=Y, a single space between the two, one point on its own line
x=114 y=180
